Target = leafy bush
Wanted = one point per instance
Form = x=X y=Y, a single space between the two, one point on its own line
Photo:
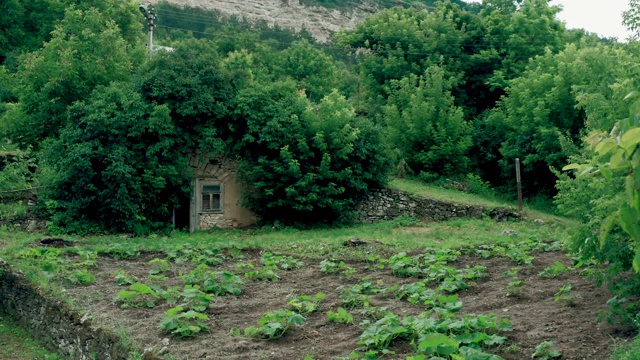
x=425 y=126
x=118 y=165
x=309 y=162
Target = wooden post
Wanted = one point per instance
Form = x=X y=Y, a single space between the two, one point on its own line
x=519 y=182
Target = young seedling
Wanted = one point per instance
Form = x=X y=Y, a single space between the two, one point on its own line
x=553 y=271
x=284 y=262
x=195 y=299
x=262 y=275
x=331 y=267
x=565 y=297
x=184 y=323
x=158 y=268
x=138 y=295
x=80 y=277
x=273 y=325
x=341 y=316
x=123 y=279
x=544 y=351
x=306 y=304
x=123 y=251
x=515 y=287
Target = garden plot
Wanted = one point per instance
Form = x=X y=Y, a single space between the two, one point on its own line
x=505 y=300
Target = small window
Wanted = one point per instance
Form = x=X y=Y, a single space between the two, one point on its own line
x=211 y=198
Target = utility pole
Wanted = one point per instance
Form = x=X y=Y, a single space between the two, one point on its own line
x=150 y=16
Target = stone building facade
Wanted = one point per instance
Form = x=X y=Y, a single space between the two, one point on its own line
x=216 y=195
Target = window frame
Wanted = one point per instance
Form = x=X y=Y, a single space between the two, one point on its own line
x=204 y=193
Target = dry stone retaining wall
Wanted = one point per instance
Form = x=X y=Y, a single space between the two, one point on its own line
x=62 y=329
x=387 y=204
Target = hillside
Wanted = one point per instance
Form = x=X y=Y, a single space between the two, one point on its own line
x=320 y=21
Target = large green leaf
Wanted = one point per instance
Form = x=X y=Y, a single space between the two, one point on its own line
x=438 y=344
x=629 y=221
x=606 y=227
x=630 y=139
x=474 y=354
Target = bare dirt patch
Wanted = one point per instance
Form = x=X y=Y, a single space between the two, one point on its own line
x=534 y=313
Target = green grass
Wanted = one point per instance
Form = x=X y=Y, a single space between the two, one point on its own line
x=628 y=351
x=389 y=236
x=10 y=209
x=402 y=234
x=15 y=344
x=419 y=188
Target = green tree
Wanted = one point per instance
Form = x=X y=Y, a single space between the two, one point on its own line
x=425 y=126
x=545 y=111
x=399 y=42
x=118 y=165
x=515 y=32
x=308 y=162
x=27 y=24
x=198 y=86
x=86 y=50
x=313 y=70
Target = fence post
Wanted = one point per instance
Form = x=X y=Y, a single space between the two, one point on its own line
x=519 y=182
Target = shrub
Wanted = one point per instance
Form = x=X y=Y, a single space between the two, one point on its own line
x=309 y=162
x=118 y=165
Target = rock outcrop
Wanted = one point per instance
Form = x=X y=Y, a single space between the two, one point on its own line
x=321 y=22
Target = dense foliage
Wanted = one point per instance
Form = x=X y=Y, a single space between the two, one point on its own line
x=440 y=88
x=310 y=162
x=119 y=166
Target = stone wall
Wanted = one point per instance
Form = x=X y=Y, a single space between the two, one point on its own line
x=213 y=220
x=63 y=330
x=387 y=204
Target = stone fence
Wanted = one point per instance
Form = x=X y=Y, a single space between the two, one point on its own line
x=63 y=329
x=387 y=204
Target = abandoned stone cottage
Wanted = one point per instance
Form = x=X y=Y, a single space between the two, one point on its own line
x=215 y=196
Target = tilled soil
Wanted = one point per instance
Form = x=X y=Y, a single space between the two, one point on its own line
x=534 y=313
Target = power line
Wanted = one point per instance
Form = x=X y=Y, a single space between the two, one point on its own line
x=487 y=40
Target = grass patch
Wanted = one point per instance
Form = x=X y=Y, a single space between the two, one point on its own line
x=17 y=345
x=627 y=351
x=381 y=238
x=533 y=208
x=11 y=209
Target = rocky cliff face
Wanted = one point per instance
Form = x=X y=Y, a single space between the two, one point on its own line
x=321 y=22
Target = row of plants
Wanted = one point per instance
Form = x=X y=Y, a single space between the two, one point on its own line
x=447 y=335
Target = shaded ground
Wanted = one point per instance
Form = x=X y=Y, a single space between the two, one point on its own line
x=15 y=344
x=534 y=313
